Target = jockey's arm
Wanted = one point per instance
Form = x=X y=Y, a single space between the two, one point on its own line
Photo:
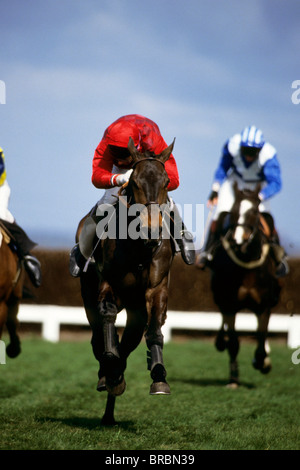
x=272 y=175
x=220 y=175
x=102 y=168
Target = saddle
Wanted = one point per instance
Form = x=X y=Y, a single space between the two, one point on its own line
x=5 y=234
x=18 y=240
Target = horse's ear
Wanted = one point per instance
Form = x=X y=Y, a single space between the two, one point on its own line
x=165 y=154
x=132 y=149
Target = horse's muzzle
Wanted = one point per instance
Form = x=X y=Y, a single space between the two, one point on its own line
x=151 y=222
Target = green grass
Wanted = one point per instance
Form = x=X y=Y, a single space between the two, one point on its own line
x=49 y=401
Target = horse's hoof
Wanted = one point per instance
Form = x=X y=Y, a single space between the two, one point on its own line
x=221 y=344
x=264 y=366
x=108 y=421
x=160 y=388
x=233 y=386
x=13 y=350
x=101 y=386
x=116 y=389
x=267 y=366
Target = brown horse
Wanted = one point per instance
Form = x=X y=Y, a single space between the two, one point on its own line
x=131 y=272
x=243 y=277
x=11 y=289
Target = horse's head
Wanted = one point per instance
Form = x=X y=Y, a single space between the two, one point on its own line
x=148 y=187
x=245 y=217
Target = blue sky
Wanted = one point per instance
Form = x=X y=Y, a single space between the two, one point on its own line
x=201 y=69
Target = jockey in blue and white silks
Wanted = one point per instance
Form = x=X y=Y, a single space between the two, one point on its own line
x=248 y=160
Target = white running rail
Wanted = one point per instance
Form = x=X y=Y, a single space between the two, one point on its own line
x=51 y=317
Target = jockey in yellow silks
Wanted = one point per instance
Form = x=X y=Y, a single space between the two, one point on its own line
x=21 y=241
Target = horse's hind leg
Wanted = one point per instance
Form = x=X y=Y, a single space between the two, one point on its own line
x=133 y=332
x=14 y=347
x=261 y=359
x=108 y=417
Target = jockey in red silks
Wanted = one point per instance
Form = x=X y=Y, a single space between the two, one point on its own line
x=112 y=164
x=112 y=158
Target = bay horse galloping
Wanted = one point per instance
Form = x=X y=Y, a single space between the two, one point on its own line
x=131 y=273
x=243 y=277
x=11 y=290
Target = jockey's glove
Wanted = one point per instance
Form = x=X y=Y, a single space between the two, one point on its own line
x=213 y=195
x=120 y=179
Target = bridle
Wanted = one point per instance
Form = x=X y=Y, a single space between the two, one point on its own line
x=254 y=229
x=148 y=203
x=149 y=159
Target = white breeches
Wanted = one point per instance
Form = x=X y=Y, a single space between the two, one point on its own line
x=226 y=195
x=4 y=199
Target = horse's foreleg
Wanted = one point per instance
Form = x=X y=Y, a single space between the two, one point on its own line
x=90 y=292
x=232 y=345
x=261 y=359
x=156 y=301
x=90 y=295
x=3 y=316
x=111 y=362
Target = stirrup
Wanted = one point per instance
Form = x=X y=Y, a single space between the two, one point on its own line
x=204 y=259
x=282 y=269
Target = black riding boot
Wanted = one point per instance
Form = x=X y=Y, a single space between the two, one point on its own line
x=76 y=261
x=279 y=256
x=23 y=246
x=182 y=236
x=207 y=255
x=33 y=268
x=217 y=228
x=277 y=251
